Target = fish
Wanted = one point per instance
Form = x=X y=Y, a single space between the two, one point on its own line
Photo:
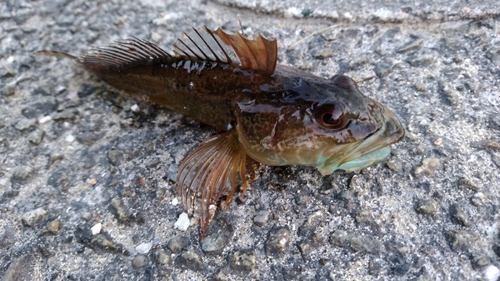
x=266 y=113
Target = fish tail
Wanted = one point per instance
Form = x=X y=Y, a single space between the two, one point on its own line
x=55 y=54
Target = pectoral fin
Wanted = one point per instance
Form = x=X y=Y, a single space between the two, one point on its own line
x=211 y=171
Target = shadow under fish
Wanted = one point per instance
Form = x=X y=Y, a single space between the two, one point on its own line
x=272 y=114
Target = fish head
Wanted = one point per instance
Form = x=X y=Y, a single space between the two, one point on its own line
x=311 y=121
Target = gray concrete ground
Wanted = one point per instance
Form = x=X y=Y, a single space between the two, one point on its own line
x=76 y=156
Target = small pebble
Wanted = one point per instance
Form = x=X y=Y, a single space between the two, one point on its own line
x=428 y=206
x=182 y=222
x=242 y=261
x=315 y=218
x=121 y=212
x=54 y=226
x=24 y=124
x=362 y=243
x=450 y=93
x=365 y=216
x=306 y=12
x=420 y=86
x=479 y=199
x=323 y=54
x=21 y=174
x=63 y=115
x=88 y=138
x=460 y=216
x=467 y=183
x=293 y=12
x=410 y=46
x=217 y=238
x=175 y=202
x=305 y=248
x=344 y=195
x=135 y=108
x=481 y=261
x=461 y=239
x=177 y=243
x=31 y=217
x=152 y=162
x=394 y=165
x=96 y=229
x=104 y=243
x=8 y=90
x=190 y=259
x=139 y=261
x=261 y=218
x=421 y=61
x=492 y=273
x=431 y=162
x=278 y=241
x=44 y=119
x=59 y=89
x=115 y=156
x=69 y=138
x=3 y=182
x=428 y=167
x=162 y=257
x=86 y=216
x=155 y=36
x=144 y=247
x=160 y=193
x=382 y=69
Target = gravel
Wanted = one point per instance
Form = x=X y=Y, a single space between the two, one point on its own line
x=76 y=153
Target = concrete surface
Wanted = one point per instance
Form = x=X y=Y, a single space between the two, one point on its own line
x=86 y=190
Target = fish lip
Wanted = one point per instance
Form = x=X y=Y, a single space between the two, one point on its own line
x=389 y=133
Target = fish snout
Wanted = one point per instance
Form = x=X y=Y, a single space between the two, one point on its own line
x=369 y=151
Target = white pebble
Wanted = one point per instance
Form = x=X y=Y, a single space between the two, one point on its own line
x=96 y=229
x=70 y=138
x=135 y=108
x=491 y=273
x=155 y=36
x=44 y=119
x=144 y=248
x=175 y=202
x=60 y=89
x=3 y=182
x=293 y=12
x=182 y=222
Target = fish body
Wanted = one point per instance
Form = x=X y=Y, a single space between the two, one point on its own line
x=272 y=114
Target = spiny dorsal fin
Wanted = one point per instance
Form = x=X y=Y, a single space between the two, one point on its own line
x=259 y=53
x=216 y=45
x=123 y=54
x=205 y=45
x=211 y=171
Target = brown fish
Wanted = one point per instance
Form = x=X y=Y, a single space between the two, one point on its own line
x=272 y=114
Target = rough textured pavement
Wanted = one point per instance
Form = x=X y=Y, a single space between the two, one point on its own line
x=86 y=190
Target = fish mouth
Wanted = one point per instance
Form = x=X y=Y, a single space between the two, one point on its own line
x=370 y=151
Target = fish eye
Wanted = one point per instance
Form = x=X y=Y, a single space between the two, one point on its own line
x=330 y=116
